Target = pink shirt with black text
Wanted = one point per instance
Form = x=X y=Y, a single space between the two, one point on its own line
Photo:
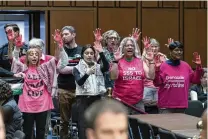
x=35 y=97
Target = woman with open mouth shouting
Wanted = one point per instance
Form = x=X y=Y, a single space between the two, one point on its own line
x=129 y=72
x=36 y=99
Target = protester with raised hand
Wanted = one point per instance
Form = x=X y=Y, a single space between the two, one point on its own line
x=12 y=32
x=173 y=77
x=130 y=72
x=66 y=81
x=150 y=91
x=90 y=85
x=110 y=42
x=36 y=98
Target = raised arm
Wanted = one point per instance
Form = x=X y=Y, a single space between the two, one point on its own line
x=11 y=39
x=105 y=66
x=60 y=53
x=135 y=34
x=18 y=44
x=149 y=68
x=195 y=76
x=98 y=47
x=17 y=66
x=66 y=70
x=114 y=71
x=158 y=73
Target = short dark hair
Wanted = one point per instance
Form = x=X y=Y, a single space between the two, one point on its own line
x=102 y=106
x=71 y=29
x=14 y=26
x=175 y=44
x=85 y=48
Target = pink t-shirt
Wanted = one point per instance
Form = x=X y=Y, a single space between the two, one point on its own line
x=35 y=97
x=173 y=82
x=129 y=85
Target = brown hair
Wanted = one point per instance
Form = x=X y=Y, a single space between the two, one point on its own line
x=101 y=106
x=28 y=53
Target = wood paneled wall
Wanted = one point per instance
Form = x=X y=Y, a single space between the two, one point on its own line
x=184 y=21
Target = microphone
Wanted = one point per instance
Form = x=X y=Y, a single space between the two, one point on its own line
x=91 y=64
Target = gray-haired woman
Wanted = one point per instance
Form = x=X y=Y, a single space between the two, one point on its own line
x=150 y=91
x=130 y=72
x=110 y=40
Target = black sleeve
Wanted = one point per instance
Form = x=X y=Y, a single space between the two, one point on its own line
x=105 y=66
x=80 y=80
x=5 y=73
x=8 y=114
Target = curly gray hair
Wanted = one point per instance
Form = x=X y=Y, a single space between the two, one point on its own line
x=137 y=52
x=36 y=43
x=107 y=34
x=154 y=42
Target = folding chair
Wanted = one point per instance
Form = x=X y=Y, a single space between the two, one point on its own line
x=145 y=130
x=134 y=130
x=205 y=105
x=195 y=108
x=164 y=134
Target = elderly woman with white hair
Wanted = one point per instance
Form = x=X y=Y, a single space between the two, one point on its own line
x=38 y=43
x=130 y=71
x=150 y=91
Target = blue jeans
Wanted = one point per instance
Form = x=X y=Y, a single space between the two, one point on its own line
x=150 y=94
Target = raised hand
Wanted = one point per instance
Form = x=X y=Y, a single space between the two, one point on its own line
x=97 y=34
x=157 y=60
x=170 y=40
x=98 y=47
x=10 y=35
x=118 y=55
x=149 y=54
x=197 y=59
x=146 y=42
x=18 y=41
x=57 y=38
x=91 y=70
x=135 y=34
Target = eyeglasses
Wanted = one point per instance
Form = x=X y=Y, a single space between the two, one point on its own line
x=128 y=45
x=113 y=38
x=178 y=50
